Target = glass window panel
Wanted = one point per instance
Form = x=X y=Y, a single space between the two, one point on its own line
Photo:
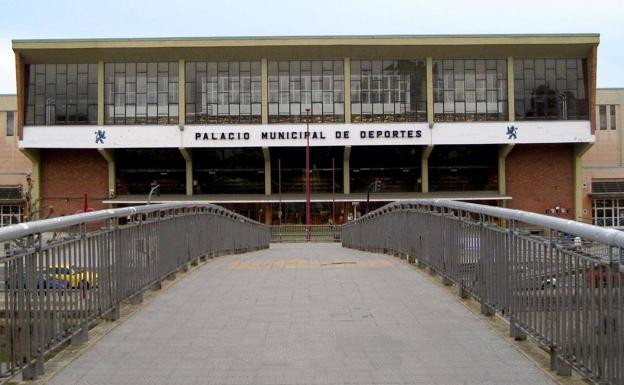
x=61 y=93
x=603 y=116
x=231 y=85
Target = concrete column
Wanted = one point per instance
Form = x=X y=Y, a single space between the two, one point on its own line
x=34 y=155
x=347 y=89
x=424 y=168
x=188 y=158
x=592 y=63
x=511 y=103
x=267 y=170
x=182 y=95
x=503 y=152
x=346 y=172
x=109 y=156
x=268 y=213
x=430 y=91
x=100 y=93
x=21 y=105
x=579 y=150
x=264 y=74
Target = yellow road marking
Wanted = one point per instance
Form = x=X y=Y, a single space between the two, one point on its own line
x=307 y=264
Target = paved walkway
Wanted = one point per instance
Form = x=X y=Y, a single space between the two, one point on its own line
x=303 y=314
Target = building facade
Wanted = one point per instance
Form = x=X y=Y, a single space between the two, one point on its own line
x=497 y=119
x=603 y=164
x=15 y=168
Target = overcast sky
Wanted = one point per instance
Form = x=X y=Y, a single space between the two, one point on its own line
x=44 y=19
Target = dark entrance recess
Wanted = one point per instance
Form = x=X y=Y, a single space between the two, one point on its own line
x=397 y=167
x=136 y=169
x=463 y=168
x=292 y=161
x=228 y=171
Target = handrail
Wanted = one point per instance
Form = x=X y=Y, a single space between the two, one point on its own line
x=52 y=224
x=595 y=233
x=101 y=259
x=568 y=296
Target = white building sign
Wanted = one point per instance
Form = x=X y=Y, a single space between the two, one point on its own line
x=293 y=135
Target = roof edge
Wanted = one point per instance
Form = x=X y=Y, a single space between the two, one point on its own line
x=146 y=41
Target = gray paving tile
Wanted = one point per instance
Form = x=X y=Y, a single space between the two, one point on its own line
x=290 y=315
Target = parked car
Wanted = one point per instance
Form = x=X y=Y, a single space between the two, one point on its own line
x=41 y=281
x=73 y=275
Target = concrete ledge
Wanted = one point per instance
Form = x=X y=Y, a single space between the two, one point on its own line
x=113 y=314
x=34 y=370
x=516 y=332
x=487 y=310
x=81 y=337
x=137 y=298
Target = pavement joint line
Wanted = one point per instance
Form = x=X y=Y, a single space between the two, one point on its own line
x=500 y=326
x=68 y=354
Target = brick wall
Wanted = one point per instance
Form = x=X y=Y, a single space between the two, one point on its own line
x=66 y=175
x=541 y=176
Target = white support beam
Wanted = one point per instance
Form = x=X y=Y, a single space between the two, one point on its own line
x=503 y=152
x=109 y=156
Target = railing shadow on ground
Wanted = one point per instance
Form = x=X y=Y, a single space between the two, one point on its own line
x=559 y=281
x=60 y=275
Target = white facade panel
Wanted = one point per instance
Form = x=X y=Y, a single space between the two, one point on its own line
x=293 y=135
x=152 y=136
x=512 y=132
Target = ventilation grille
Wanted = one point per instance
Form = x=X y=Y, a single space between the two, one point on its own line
x=10 y=193
x=608 y=187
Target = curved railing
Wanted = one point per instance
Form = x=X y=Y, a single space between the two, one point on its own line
x=559 y=281
x=61 y=274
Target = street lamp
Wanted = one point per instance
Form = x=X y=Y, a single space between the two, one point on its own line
x=308 y=232
x=155 y=186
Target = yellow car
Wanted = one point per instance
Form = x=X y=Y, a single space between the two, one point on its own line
x=74 y=276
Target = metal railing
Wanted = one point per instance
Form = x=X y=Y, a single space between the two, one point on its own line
x=558 y=281
x=297 y=233
x=60 y=275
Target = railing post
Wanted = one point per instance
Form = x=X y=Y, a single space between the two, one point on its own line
x=82 y=336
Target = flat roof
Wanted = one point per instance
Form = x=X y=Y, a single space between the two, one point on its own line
x=319 y=37
x=308 y=40
x=299 y=47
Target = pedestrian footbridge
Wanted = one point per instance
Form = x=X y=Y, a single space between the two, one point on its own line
x=390 y=305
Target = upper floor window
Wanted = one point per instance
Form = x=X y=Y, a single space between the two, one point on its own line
x=388 y=91
x=551 y=89
x=297 y=85
x=612 y=117
x=61 y=94
x=469 y=90
x=223 y=92
x=10 y=123
x=141 y=93
x=602 y=113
